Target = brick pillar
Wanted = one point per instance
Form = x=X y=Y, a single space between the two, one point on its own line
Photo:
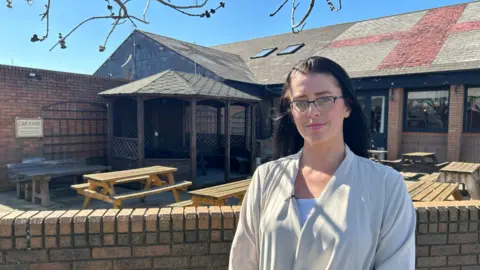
x=395 y=115
x=455 y=121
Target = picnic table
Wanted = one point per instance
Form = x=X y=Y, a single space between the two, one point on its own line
x=428 y=191
x=463 y=172
x=39 y=173
x=101 y=186
x=421 y=162
x=217 y=195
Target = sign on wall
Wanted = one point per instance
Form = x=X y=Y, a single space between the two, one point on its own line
x=28 y=127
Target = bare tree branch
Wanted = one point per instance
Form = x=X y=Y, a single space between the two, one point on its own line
x=183 y=7
x=302 y=21
x=122 y=15
x=146 y=9
x=278 y=9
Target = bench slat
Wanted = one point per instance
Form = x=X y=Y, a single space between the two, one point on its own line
x=430 y=177
x=447 y=192
x=426 y=191
x=123 y=181
x=152 y=191
x=438 y=190
x=181 y=204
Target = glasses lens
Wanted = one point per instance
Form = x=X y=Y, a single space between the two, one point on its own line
x=300 y=105
x=324 y=103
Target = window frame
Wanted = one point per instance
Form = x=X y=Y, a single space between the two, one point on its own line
x=272 y=49
x=465 y=100
x=299 y=46
x=405 y=102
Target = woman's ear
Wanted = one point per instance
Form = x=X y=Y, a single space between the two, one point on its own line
x=348 y=110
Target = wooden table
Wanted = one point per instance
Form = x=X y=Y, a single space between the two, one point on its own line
x=28 y=176
x=101 y=186
x=425 y=162
x=463 y=172
x=217 y=195
x=419 y=157
x=428 y=191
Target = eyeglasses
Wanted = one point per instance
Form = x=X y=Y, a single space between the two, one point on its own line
x=322 y=104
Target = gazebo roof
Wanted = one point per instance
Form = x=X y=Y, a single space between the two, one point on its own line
x=171 y=83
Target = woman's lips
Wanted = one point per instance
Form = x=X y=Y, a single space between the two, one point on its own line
x=315 y=126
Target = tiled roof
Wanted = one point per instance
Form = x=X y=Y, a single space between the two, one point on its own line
x=439 y=39
x=224 y=64
x=175 y=83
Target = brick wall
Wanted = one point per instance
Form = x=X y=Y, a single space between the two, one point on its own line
x=21 y=96
x=448 y=235
x=195 y=238
x=455 y=121
x=436 y=142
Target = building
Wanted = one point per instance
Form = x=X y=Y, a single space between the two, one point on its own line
x=416 y=74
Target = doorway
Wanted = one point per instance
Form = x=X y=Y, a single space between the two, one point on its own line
x=375 y=106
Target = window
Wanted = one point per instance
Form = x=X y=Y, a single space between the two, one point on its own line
x=426 y=110
x=291 y=49
x=264 y=53
x=472 y=110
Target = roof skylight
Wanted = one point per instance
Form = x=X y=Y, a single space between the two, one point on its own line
x=291 y=49
x=264 y=53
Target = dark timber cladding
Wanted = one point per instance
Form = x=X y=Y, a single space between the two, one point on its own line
x=197 y=90
x=228 y=131
x=140 y=131
x=193 y=139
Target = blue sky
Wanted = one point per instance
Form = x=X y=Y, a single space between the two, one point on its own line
x=239 y=20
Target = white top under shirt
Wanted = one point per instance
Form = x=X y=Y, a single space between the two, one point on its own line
x=304 y=208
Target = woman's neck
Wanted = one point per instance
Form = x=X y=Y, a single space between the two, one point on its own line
x=323 y=157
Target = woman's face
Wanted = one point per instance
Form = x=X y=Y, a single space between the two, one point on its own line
x=321 y=121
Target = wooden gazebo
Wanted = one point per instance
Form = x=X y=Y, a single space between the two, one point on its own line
x=164 y=131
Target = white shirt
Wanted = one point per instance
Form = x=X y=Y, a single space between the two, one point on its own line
x=363 y=219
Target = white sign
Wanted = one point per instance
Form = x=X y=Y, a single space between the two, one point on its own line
x=29 y=127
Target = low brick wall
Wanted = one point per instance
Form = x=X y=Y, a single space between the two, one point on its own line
x=194 y=238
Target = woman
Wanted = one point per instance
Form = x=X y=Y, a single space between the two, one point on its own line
x=322 y=204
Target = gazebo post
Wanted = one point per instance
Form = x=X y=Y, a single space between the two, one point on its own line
x=227 y=140
x=253 y=129
x=110 y=105
x=193 y=140
x=140 y=132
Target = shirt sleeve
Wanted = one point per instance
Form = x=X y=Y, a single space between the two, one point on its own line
x=244 y=250
x=396 y=247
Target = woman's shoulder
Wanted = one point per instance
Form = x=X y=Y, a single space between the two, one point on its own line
x=282 y=163
x=376 y=171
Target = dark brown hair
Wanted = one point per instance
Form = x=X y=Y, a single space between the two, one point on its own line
x=356 y=134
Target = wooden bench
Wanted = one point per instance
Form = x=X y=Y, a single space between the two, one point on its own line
x=181 y=204
x=430 y=177
x=217 y=195
x=441 y=165
x=396 y=164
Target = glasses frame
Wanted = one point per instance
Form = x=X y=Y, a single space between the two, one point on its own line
x=313 y=101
